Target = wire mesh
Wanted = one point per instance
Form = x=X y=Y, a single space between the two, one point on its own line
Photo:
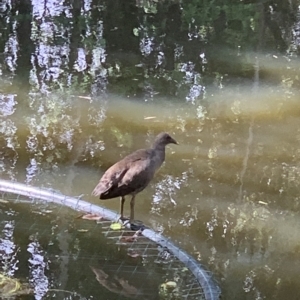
x=159 y=258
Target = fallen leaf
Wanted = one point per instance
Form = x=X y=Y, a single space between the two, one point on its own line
x=116 y=226
x=149 y=118
x=82 y=230
x=128 y=239
x=79 y=217
x=93 y=217
x=3 y=201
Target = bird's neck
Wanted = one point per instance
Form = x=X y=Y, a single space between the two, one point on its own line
x=160 y=154
x=159 y=147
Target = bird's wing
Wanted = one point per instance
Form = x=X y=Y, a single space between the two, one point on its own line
x=110 y=179
x=121 y=174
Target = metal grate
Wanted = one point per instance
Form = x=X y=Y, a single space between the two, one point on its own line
x=158 y=256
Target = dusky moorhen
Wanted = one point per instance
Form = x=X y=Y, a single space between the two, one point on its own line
x=133 y=173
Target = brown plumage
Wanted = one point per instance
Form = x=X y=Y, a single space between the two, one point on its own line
x=133 y=173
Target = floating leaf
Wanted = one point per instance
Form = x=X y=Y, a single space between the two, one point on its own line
x=85 y=97
x=3 y=201
x=136 y=31
x=82 y=230
x=169 y=290
x=10 y=287
x=262 y=202
x=171 y=284
x=185 y=269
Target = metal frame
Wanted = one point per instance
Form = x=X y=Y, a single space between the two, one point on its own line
x=205 y=279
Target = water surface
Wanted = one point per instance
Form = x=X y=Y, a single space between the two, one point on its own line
x=81 y=86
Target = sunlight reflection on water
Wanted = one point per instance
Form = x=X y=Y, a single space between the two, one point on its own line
x=228 y=192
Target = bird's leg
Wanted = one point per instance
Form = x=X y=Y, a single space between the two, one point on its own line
x=122 y=200
x=134 y=224
x=132 y=209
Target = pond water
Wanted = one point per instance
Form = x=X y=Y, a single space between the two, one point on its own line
x=81 y=88
x=228 y=193
x=68 y=259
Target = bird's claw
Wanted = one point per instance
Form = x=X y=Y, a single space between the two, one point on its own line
x=123 y=219
x=137 y=225
x=134 y=225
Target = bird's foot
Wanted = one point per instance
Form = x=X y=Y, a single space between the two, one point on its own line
x=123 y=219
x=136 y=225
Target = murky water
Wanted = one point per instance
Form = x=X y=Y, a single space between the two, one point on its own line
x=228 y=194
x=81 y=86
x=55 y=255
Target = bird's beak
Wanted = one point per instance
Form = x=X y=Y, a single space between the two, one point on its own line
x=174 y=142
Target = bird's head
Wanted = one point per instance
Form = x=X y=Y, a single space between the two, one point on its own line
x=164 y=139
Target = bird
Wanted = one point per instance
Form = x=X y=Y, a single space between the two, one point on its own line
x=132 y=174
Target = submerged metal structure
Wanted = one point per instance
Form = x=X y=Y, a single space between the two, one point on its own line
x=194 y=282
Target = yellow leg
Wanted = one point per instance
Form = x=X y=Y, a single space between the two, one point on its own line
x=132 y=209
x=122 y=200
